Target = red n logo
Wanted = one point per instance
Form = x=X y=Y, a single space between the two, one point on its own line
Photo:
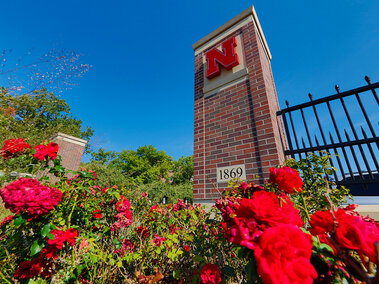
x=227 y=58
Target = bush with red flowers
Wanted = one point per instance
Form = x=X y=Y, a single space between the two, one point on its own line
x=285 y=240
x=283 y=255
x=43 y=152
x=286 y=179
x=29 y=196
x=14 y=147
x=210 y=274
x=74 y=231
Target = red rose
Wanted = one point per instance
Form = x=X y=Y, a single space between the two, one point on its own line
x=60 y=238
x=179 y=205
x=157 y=241
x=321 y=222
x=123 y=204
x=97 y=214
x=71 y=235
x=270 y=209
x=243 y=186
x=210 y=274
x=52 y=150
x=28 y=269
x=264 y=209
x=228 y=207
x=143 y=231
x=27 y=195
x=127 y=246
x=186 y=248
x=245 y=232
x=287 y=179
x=249 y=187
x=41 y=152
x=354 y=233
x=153 y=208
x=283 y=256
x=14 y=147
x=124 y=219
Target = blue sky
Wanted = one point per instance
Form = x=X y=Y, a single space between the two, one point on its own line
x=139 y=90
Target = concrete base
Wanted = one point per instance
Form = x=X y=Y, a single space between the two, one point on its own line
x=367 y=205
x=208 y=203
x=371 y=210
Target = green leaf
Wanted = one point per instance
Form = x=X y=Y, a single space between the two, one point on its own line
x=35 y=248
x=19 y=220
x=176 y=274
x=117 y=195
x=45 y=230
x=117 y=243
x=50 y=236
x=93 y=258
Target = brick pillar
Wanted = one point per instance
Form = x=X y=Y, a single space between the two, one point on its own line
x=235 y=111
x=71 y=150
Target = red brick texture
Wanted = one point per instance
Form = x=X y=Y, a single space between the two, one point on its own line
x=70 y=151
x=237 y=125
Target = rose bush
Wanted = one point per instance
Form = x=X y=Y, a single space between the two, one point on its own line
x=27 y=195
x=14 y=147
x=75 y=231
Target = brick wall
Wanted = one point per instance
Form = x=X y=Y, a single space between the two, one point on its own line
x=71 y=150
x=238 y=124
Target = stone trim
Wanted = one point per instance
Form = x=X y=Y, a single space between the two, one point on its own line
x=69 y=138
x=236 y=78
x=232 y=25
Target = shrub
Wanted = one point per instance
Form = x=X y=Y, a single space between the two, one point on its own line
x=80 y=232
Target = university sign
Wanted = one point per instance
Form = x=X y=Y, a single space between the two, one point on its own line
x=236 y=132
x=228 y=58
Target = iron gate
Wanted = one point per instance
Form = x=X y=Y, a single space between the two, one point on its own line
x=345 y=124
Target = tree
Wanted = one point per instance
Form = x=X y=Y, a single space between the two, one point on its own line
x=146 y=165
x=103 y=157
x=183 y=170
x=37 y=117
x=107 y=176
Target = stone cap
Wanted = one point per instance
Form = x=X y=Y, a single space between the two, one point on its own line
x=241 y=16
x=69 y=138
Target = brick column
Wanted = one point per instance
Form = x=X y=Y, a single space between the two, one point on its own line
x=71 y=150
x=235 y=112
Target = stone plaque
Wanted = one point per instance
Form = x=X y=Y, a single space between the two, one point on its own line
x=226 y=174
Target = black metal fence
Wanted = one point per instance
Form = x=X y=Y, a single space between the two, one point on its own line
x=344 y=124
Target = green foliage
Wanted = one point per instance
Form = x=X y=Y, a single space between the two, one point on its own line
x=143 y=166
x=4 y=212
x=183 y=170
x=106 y=175
x=143 y=242
x=190 y=237
x=102 y=156
x=157 y=190
x=37 y=117
x=316 y=188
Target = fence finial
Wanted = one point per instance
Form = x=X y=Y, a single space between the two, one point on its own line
x=368 y=80
x=310 y=96
x=287 y=103
x=337 y=88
